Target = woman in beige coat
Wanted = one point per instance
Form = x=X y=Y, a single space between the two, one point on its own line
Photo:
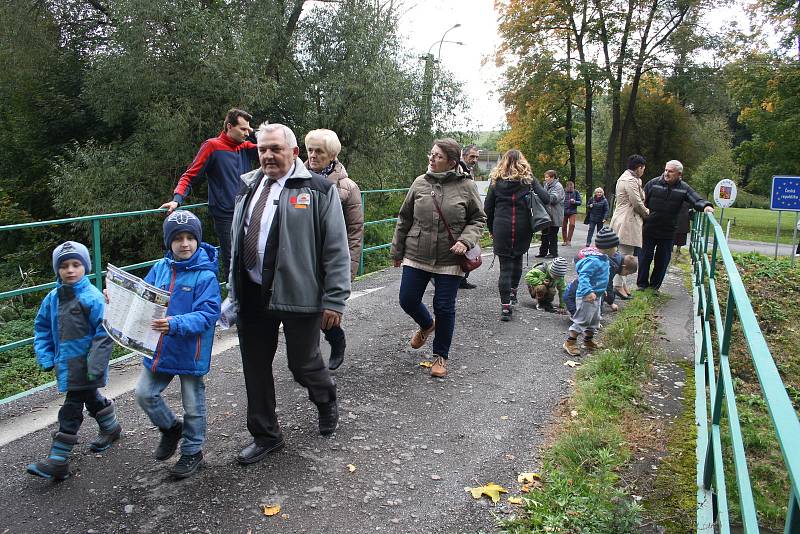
x=629 y=214
x=323 y=147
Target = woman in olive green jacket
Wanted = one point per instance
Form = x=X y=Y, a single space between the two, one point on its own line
x=422 y=246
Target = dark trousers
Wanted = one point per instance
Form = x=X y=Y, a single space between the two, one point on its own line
x=510 y=273
x=549 y=241
x=592 y=227
x=222 y=225
x=412 y=288
x=70 y=416
x=258 y=340
x=658 y=252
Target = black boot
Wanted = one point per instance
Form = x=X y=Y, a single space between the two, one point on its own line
x=169 y=442
x=328 y=417
x=337 y=353
x=110 y=429
x=56 y=465
x=465 y=284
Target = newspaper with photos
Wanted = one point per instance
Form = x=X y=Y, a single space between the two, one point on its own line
x=132 y=306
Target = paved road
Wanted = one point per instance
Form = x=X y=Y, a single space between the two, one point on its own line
x=416 y=442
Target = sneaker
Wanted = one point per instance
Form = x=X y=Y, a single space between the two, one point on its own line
x=421 y=336
x=328 y=417
x=540 y=255
x=465 y=284
x=514 y=300
x=548 y=307
x=571 y=346
x=169 y=442
x=439 y=368
x=505 y=313
x=187 y=465
x=589 y=344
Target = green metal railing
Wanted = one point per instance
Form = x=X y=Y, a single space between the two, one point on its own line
x=371 y=223
x=96 y=251
x=715 y=389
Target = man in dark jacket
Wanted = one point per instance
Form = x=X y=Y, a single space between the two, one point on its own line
x=664 y=196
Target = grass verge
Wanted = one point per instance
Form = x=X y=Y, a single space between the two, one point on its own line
x=580 y=489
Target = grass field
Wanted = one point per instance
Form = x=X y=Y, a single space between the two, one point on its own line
x=754 y=224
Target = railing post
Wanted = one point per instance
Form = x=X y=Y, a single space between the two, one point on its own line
x=792 y=525
x=361 y=257
x=97 y=253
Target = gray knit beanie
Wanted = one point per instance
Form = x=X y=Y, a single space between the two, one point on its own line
x=71 y=250
x=606 y=238
x=558 y=268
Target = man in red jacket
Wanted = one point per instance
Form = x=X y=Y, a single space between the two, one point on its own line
x=222 y=160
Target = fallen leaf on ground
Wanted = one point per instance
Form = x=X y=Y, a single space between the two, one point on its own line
x=270 y=509
x=491 y=490
x=351 y=467
x=571 y=363
x=426 y=363
x=515 y=500
x=528 y=478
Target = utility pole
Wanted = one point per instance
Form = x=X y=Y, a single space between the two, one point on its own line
x=424 y=134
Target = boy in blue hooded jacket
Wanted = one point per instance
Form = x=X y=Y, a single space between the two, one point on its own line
x=189 y=273
x=69 y=337
x=593 y=271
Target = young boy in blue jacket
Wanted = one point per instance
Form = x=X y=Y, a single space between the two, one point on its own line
x=189 y=272
x=593 y=270
x=69 y=337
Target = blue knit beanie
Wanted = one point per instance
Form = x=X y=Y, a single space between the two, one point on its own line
x=182 y=221
x=71 y=250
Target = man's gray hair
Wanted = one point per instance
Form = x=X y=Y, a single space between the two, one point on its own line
x=467 y=148
x=675 y=164
x=288 y=134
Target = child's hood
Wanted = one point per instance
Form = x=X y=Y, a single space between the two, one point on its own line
x=203 y=259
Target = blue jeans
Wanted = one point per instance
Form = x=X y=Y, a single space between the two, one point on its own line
x=658 y=252
x=412 y=288
x=592 y=227
x=193 y=396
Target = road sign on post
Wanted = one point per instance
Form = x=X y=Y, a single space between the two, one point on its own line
x=785 y=196
x=785 y=193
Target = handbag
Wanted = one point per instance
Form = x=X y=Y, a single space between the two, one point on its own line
x=472 y=259
x=539 y=218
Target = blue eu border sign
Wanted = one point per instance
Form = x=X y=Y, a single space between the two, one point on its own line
x=785 y=193
x=785 y=197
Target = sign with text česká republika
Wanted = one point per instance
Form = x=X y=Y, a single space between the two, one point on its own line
x=785 y=193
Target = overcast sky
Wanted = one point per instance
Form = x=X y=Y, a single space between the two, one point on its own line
x=424 y=22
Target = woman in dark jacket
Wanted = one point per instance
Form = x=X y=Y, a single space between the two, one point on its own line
x=508 y=219
x=572 y=199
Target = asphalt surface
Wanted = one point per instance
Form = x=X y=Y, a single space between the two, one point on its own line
x=415 y=442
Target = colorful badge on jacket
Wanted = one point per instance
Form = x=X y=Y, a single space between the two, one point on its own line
x=303 y=200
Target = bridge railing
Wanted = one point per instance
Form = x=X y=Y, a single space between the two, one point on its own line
x=96 y=251
x=392 y=220
x=715 y=394
x=96 y=248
